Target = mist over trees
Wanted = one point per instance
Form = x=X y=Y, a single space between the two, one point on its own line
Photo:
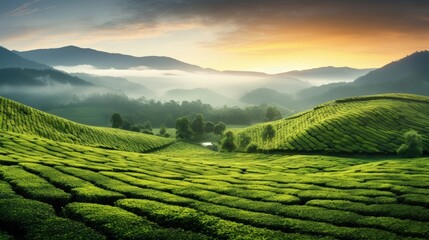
x=139 y=111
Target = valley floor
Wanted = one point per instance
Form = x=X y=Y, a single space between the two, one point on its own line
x=53 y=190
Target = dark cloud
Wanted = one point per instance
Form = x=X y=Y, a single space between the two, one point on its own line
x=272 y=15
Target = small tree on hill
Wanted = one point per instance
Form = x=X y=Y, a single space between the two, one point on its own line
x=219 y=128
x=209 y=127
x=126 y=125
x=116 y=120
x=412 y=146
x=244 y=141
x=228 y=143
x=268 y=132
x=162 y=130
x=197 y=125
x=272 y=114
x=183 y=128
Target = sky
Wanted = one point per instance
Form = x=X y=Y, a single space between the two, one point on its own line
x=253 y=35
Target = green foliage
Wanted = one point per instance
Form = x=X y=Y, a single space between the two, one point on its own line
x=206 y=193
x=36 y=220
x=120 y=224
x=197 y=125
x=162 y=130
x=33 y=186
x=252 y=148
x=272 y=114
x=268 y=133
x=367 y=124
x=183 y=128
x=219 y=128
x=209 y=127
x=116 y=120
x=228 y=142
x=244 y=141
x=15 y=117
x=412 y=146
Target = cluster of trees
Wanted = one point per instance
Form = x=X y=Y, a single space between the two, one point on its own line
x=139 y=111
x=412 y=146
x=244 y=143
x=194 y=130
x=118 y=122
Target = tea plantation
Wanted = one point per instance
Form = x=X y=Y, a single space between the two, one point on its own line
x=63 y=189
x=369 y=124
x=16 y=117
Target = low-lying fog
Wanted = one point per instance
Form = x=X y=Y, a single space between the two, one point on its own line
x=232 y=85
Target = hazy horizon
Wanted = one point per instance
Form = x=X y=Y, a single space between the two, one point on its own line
x=269 y=36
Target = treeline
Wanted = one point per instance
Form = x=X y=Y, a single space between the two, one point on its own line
x=140 y=111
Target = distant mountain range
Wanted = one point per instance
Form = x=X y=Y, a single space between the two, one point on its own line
x=324 y=74
x=407 y=75
x=73 y=56
x=294 y=89
x=34 y=77
x=9 y=59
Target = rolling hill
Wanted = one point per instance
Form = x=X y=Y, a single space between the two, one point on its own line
x=73 y=56
x=9 y=59
x=368 y=124
x=407 y=75
x=323 y=75
x=18 y=118
x=268 y=96
x=50 y=189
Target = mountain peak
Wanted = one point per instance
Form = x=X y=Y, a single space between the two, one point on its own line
x=9 y=59
x=414 y=67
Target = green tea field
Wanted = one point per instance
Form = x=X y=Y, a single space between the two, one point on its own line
x=111 y=184
x=368 y=124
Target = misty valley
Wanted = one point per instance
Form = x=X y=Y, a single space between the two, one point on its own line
x=230 y=120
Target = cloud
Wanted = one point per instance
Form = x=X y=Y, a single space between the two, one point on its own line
x=250 y=21
x=24 y=9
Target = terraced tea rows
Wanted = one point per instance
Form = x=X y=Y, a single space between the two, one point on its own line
x=371 y=124
x=67 y=191
x=16 y=117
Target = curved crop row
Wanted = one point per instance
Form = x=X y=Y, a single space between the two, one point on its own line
x=16 y=117
x=372 y=124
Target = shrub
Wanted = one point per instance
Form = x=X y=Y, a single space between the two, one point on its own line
x=228 y=143
x=412 y=146
x=268 y=132
x=252 y=148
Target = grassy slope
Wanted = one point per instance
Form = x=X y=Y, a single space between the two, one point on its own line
x=207 y=194
x=16 y=117
x=370 y=124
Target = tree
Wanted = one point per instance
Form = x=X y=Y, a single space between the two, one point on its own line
x=162 y=130
x=116 y=120
x=183 y=129
x=412 y=146
x=147 y=126
x=272 y=114
x=219 y=128
x=197 y=125
x=209 y=127
x=244 y=141
x=268 y=132
x=126 y=125
x=228 y=143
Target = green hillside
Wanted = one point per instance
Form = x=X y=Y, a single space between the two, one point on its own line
x=18 y=118
x=369 y=124
x=55 y=190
